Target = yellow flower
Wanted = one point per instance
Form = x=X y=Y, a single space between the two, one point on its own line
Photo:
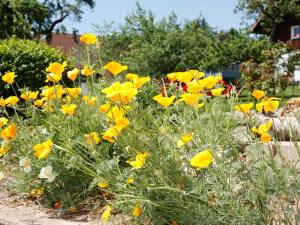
x=88 y=39
x=9 y=133
x=195 y=87
x=87 y=71
x=29 y=95
x=115 y=68
x=2 y=102
x=92 y=138
x=184 y=77
x=140 y=81
x=196 y=74
x=244 y=108
x=103 y=184
x=164 y=101
x=104 y=108
x=210 y=81
x=202 y=159
x=90 y=101
x=131 y=76
x=9 y=77
x=106 y=214
x=42 y=150
x=201 y=105
x=268 y=105
x=217 y=92
x=263 y=128
x=39 y=102
x=74 y=92
x=56 y=68
x=120 y=93
x=4 y=149
x=129 y=180
x=3 y=121
x=190 y=99
x=53 y=77
x=12 y=100
x=115 y=113
x=184 y=139
x=265 y=138
x=258 y=94
x=111 y=134
x=172 y=76
x=137 y=211
x=72 y=75
x=69 y=109
x=139 y=160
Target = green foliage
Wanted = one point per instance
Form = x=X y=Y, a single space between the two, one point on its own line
x=157 y=48
x=27 y=18
x=29 y=60
x=267 y=71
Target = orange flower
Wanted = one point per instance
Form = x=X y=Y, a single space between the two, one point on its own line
x=258 y=94
x=43 y=150
x=265 y=138
x=9 y=133
x=137 y=211
x=87 y=71
x=88 y=39
x=115 y=68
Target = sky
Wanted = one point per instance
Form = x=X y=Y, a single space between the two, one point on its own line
x=218 y=13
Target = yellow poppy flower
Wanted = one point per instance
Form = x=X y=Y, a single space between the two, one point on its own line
x=111 y=133
x=90 y=101
x=115 y=113
x=265 y=138
x=2 y=102
x=39 y=103
x=72 y=75
x=184 y=139
x=9 y=77
x=104 y=108
x=172 y=76
x=217 y=92
x=129 y=180
x=164 y=101
x=131 y=76
x=106 y=214
x=268 y=105
x=184 y=77
x=196 y=74
x=74 y=92
x=3 y=121
x=9 y=133
x=4 y=149
x=42 y=150
x=202 y=159
x=195 y=87
x=103 y=184
x=53 y=77
x=92 y=138
x=88 y=39
x=115 y=68
x=210 y=81
x=190 y=99
x=263 y=128
x=244 y=108
x=68 y=109
x=11 y=101
x=29 y=95
x=56 y=69
x=258 y=94
x=140 y=81
x=137 y=211
x=139 y=160
x=87 y=71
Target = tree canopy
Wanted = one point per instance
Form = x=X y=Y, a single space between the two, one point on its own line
x=33 y=18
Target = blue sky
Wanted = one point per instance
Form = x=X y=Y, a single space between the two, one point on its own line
x=218 y=13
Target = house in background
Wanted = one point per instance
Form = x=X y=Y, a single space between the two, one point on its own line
x=288 y=32
x=65 y=42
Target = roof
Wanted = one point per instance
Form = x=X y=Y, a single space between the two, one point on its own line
x=63 y=41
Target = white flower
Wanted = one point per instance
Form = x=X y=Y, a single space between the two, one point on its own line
x=46 y=173
x=25 y=163
x=2 y=175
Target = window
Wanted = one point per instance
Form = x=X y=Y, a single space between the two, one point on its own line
x=295 y=32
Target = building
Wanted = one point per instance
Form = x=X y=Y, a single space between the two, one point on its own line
x=65 y=42
x=288 y=32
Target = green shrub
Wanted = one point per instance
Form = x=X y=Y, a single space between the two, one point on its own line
x=28 y=59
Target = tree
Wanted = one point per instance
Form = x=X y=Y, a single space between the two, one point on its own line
x=34 y=18
x=269 y=12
